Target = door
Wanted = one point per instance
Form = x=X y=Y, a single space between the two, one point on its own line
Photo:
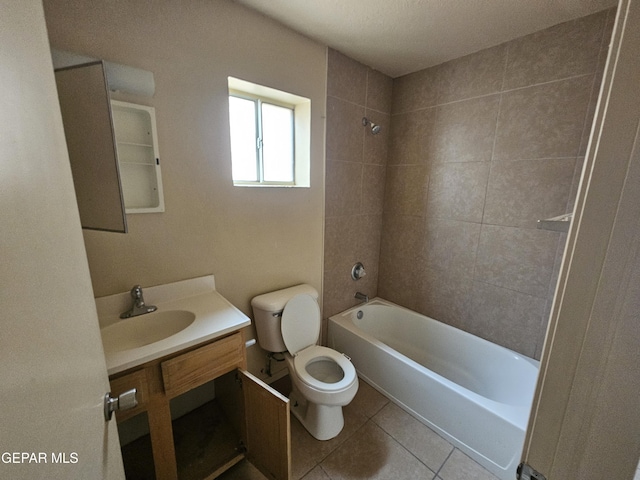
x=52 y=370
x=585 y=421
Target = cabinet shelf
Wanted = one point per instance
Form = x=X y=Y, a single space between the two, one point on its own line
x=134 y=144
x=138 y=158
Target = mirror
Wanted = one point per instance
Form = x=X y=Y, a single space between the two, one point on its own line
x=86 y=115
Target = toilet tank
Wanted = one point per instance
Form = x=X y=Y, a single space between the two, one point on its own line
x=267 y=313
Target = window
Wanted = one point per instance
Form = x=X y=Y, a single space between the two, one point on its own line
x=269 y=132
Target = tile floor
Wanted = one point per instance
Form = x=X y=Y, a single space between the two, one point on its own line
x=379 y=441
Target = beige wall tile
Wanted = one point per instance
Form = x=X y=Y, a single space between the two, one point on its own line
x=347 y=78
x=406 y=190
x=379 y=91
x=457 y=191
x=373 y=186
x=401 y=263
x=341 y=242
x=543 y=121
x=519 y=259
x=521 y=192
x=562 y=51
x=472 y=76
x=464 y=131
x=411 y=137
x=577 y=176
x=451 y=245
x=508 y=318
x=350 y=239
x=344 y=130
x=344 y=188
x=445 y=295
x=415 y=91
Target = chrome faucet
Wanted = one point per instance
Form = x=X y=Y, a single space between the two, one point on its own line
x=138 y=307
x=361 y=296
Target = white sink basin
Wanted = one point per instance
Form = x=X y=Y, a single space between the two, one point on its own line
x=190 y=312
x=145 y=329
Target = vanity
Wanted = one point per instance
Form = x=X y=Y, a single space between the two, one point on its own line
x=205 y=345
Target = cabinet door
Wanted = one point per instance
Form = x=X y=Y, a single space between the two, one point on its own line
x=268 y=428
x=86 y=114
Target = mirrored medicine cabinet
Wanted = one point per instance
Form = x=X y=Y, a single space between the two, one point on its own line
x=113 y=149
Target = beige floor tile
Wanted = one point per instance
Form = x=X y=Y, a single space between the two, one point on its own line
x=372 y=454
x=307 y=452
x=460 y=467
x=430 y=448
x=316 y=474
x=368 y=401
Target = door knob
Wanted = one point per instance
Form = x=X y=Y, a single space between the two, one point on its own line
x=125 y=401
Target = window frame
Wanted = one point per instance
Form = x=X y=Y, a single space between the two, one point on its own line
x=301 y=107
x=258 y=101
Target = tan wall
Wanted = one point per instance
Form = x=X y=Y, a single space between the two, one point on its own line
x=252 y=239
x=479 y=148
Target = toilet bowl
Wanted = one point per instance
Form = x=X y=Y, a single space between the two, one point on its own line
x=323 y=380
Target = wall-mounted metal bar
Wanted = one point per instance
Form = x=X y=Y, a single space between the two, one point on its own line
x=560 y=223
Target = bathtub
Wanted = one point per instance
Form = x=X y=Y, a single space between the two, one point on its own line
x=472 y=392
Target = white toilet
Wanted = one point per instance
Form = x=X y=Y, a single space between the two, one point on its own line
x=323 y=380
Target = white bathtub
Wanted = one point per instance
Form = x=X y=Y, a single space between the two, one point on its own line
x=474 y=393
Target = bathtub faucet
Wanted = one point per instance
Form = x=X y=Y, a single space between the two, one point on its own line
x=361 y=296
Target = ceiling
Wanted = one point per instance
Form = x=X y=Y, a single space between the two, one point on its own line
x=398 y=37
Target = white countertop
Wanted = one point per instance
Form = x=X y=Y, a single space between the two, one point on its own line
x=214 y=317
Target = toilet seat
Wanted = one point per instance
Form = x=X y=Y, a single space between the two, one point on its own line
x=317 y=353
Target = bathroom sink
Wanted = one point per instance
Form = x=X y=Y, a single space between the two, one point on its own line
x=145 y=329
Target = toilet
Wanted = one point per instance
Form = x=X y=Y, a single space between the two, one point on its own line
x=323 y=380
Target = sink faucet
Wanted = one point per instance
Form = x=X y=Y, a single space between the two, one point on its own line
x=361 y=296
x=138 y=307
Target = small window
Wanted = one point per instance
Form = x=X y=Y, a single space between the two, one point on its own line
x=269 y=132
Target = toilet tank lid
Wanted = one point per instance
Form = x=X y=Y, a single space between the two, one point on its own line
x=275 y=301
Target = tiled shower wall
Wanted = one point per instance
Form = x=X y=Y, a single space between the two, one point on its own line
x=479 y=148
x=355 y=178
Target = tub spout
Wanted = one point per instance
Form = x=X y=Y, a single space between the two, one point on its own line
x=361 y=296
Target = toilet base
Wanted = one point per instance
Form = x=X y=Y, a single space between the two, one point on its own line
x=323 y=422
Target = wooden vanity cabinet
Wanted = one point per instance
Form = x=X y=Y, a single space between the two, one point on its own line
x=258 y=414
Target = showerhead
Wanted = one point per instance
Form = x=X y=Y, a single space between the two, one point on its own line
x=375 y=129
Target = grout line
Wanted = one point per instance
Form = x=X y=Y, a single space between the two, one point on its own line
x=573 y=77
x=445 y=460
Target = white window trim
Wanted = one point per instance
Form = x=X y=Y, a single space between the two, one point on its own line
x=302 y=128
